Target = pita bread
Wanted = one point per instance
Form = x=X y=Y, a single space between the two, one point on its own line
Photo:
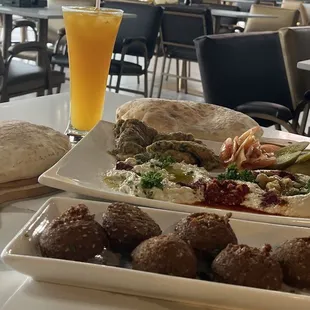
x=204 y=121
x=27 y=150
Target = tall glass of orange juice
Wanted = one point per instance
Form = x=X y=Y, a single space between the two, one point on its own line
x=91 y=35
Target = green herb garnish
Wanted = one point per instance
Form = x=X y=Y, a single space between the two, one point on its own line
x=152 y=179
x=166 y=161
x=232 y=173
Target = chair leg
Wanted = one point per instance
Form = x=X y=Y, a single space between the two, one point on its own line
x=184 y=76
x=58 y=90
x=4 y=98
x=304 y=119
x=111 y=76
x=138 y=77
x=40 y=93
x=162 y=76
x=146 y=90
x=168 y=69
x=178 y=74
x=118 y=83
x=153 y=76
x=189 y=69
x=110 y=80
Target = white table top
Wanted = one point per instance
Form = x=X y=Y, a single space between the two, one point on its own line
x=304 y=65
x=41 y=13
x=16 y=290
x=236 y=14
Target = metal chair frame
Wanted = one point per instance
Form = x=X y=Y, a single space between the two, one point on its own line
x=183 y=76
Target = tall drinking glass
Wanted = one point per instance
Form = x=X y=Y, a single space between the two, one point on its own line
x=91 y=35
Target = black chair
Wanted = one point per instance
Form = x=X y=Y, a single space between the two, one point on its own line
x=19 y=78
x=180 y=26
x=136 y=37
x=246 y=72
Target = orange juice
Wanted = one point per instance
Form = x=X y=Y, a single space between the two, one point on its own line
x=91 y=35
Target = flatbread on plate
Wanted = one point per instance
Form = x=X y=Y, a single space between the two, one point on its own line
x=204 y=121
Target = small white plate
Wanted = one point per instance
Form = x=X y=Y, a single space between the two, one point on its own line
x=22 y=255
x=81 y=169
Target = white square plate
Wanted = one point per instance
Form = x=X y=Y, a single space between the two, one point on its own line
x=22 y=255
x=81 y=169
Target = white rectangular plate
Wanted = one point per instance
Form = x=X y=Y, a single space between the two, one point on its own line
x=81 y=169
x=22 y=255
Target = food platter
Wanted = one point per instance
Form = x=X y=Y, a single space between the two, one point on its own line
x=22 y=255
x=82 y=169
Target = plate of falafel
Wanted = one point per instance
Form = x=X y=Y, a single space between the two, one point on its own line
x=201 y=258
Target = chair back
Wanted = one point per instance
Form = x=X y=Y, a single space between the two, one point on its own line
x=295 y=43
x=180 y=26
x=146 y=25
x=305 y=13
x=283 y=18
x=293 y=5
x=240 y=68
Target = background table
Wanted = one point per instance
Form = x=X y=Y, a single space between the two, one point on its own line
x=16 y=291
x=218 y=14
x=304 y=65
x=42 y=14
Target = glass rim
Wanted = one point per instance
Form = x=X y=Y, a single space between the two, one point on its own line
x=86 y=9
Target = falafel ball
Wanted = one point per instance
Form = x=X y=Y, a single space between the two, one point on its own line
x=248 y=266
x=206 y=233
x=165 y=254
x=127 y=226
x=74 y=235
x=294 y=258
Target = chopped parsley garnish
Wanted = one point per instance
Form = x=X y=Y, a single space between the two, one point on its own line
x=166 y=161
x=152 y=179
x=232 y=173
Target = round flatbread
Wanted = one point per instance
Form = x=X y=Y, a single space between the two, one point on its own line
x=27 y=150
x=204 y=121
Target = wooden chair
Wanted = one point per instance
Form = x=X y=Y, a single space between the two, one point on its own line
x=295 y=43
x=305 y=13
x=284 y=18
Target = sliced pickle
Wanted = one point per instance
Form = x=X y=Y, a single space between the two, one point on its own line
x=285 y=160
x=287 y=156
x=303 y=168
x=304 y=157
x=293 y=148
